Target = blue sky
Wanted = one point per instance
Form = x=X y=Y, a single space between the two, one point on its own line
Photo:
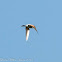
x=44 y=46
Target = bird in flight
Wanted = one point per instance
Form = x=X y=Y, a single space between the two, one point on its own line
x=28 y=26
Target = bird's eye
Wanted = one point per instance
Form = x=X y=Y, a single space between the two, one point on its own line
x=28 y=25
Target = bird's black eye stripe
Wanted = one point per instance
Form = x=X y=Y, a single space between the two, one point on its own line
x=29 y=26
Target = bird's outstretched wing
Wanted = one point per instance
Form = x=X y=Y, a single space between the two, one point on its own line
x=27 y=33
x=34 y=27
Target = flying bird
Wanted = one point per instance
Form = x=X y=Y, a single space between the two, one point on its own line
x=28 y=26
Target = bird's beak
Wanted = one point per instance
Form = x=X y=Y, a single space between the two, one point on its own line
x=23 y=26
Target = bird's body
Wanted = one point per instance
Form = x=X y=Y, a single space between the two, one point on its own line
x=28 y=26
